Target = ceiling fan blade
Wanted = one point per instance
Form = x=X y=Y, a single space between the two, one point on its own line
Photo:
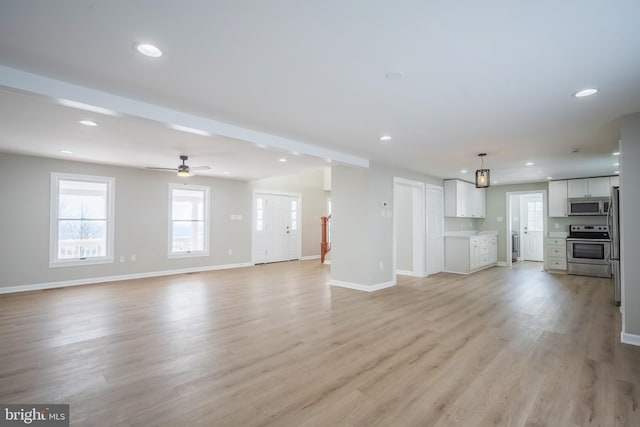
x=161 y=169
x=196 y=168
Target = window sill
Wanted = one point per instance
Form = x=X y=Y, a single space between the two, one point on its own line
x=188 y=254
x=78 y=262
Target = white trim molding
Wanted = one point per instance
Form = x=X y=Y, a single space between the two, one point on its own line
x=632 y=339
x=361 y=287
x=94 y=280
x=308 y=257
x=327 y=262
x=503 y=264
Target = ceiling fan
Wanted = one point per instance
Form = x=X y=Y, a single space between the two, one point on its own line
x=183 y=169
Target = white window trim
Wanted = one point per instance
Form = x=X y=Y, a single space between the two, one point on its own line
x=56 y=177
x=207 y=227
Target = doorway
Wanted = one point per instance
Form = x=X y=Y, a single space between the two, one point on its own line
x=526 y=226
x=276 y=227
x=409 y=227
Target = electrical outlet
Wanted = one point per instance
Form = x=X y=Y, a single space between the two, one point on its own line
x=133 y=257
x=230 y=251
x=121 y=258
x=557 y=225
x=381 y=265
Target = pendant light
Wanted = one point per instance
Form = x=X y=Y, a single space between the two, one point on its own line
x=483 y=179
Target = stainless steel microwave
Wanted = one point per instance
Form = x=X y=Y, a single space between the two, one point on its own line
x=588 y=206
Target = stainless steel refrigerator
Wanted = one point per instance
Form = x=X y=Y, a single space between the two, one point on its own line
x=613 y=218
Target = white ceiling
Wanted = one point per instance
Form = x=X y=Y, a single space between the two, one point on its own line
x=491 y=76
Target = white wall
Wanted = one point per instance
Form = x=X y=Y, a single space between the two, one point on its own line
x=630 y=226
x=141 y=221
x=362 y=246
x=314 y=203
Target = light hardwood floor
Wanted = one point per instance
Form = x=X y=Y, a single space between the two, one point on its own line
x=274 y=345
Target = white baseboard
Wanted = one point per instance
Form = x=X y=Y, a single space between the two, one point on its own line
x=361 y=287
x=503 y=264
x=327 y=261
x=93 y=280
x=632 y=339
x=410 y=273
x=308 y=257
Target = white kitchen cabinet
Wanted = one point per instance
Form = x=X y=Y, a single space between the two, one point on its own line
x=463 y=200
x=478 y=196
x=555 y=253
x=466 y=254
x=557 y=198
x=589 y=187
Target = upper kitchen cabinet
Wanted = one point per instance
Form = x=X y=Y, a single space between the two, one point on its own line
x=463 y=200
x=558 y=198
x=589 y=187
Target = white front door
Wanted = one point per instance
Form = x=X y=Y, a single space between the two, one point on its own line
x=276 y=225
x=532 y=223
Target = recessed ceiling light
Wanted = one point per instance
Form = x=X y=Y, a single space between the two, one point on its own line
x=463 y=171
x=261 y=146
x=617 y=153
x=385 y=138
x=88 y=123
x=225 y=173
x=190 y=130
x=147 y=49
x=529 y=164
x=616 y=164
x=586 y=92
x=87 y=107
x=539 y=171
x=617 y=172
x=282 y=160
x=66 y=152
x=394 y=75
x=549 y=177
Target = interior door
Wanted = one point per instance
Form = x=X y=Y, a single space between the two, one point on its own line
x=435 y=230
x=532 y=220
x=276 y=228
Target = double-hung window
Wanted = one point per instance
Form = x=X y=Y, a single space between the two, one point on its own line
x=82 y=213
x=188 y=220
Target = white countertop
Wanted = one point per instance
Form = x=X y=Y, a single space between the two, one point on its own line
x=557 y=234
x=470 y=233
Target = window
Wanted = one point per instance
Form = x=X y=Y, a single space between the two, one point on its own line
x=81 y=220
x=294 y=215
x=535 y=216
x=259 y=215
x=188 y=220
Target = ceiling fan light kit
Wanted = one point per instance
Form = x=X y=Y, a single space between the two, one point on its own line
x=483 y=176
x=183 y=170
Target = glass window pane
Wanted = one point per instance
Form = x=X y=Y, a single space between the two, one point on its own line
x=187 y=205
x=82 y=239
x=187 y=236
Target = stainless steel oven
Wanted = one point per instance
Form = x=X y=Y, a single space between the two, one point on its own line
x=589 y=250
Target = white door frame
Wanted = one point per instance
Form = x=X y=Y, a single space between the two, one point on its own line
x=419 y=223
x=508 y=220
x=253 y=218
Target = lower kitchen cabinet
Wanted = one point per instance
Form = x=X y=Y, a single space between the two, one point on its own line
x=466 y=254
x=555 y=254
